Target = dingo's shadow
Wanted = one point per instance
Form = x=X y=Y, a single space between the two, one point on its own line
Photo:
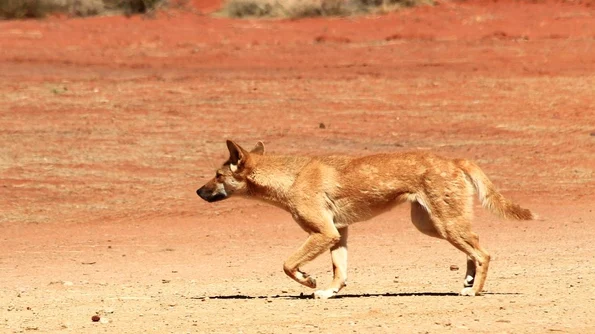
x=353 y=295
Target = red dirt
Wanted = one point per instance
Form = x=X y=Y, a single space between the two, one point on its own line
x=110 y=124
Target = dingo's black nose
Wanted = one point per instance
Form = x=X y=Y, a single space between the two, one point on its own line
x=201 y=193
x=209 y=196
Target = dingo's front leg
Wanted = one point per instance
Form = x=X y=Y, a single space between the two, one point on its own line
x=316 y=244
x=339 y=258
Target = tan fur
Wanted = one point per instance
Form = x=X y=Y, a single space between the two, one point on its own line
x=325 y=194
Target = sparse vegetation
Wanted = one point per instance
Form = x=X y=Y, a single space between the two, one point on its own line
x=22 y=9
x=130 y=7
x=308 y=8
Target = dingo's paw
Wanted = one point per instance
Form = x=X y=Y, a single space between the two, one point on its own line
x=469 y=292
x=306 y=280
x=325 y=294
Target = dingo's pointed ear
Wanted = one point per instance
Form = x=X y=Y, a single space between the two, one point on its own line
x=237 y=155
x=258 y=149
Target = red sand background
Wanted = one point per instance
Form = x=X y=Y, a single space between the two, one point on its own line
x=110 y=124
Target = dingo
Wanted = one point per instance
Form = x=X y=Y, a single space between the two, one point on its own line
x=325 y=194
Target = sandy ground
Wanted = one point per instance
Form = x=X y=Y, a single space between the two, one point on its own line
x=109 y=125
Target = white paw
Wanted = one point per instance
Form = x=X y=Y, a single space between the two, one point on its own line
x=324 y=294
x=468 y=281
x=468 y=292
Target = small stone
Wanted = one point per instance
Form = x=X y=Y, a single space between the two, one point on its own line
x=95 y=318
x=321 y=126
x=454 y=267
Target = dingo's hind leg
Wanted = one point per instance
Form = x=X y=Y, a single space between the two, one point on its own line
x=470 y=274
x=457 y=231
x=422 y=221
x=478 y=259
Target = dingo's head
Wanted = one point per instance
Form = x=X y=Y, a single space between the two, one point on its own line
x=231 y=177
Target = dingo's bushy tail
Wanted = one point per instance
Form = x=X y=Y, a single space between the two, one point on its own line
x=490 y=198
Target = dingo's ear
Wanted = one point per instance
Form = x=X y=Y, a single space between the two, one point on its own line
x=258 y=149
x=237 y=155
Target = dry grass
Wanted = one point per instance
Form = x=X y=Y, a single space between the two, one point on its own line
x=309 y=8
x=22 y=9
x=29 y=8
